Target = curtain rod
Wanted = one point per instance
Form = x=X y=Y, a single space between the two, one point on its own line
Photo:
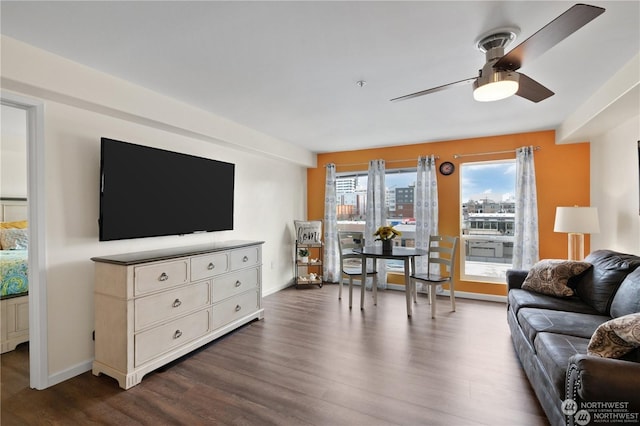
x=536 y=148
x=437 y=157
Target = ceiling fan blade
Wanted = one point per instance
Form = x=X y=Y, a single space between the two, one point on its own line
x=435 y=89
x=548 y=36
x=530 y=89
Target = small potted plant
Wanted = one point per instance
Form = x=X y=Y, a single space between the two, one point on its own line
x=304 y=255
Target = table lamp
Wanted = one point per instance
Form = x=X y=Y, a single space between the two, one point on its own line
x=576 y=221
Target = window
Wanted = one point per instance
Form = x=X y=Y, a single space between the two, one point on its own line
x=351 y=195
x=487 y=194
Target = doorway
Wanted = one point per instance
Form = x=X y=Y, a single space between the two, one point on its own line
x=34 y=122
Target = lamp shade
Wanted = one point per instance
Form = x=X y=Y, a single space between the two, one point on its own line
x=579 y=220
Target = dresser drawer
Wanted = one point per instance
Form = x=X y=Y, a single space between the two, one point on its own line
x=235 y=283
x=209 y=265
x=159 y=340
x=167 y=305
x=234 y=308
x=244 y=258
x=159 y=276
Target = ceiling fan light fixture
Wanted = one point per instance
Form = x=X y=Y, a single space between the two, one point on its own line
x=499 y=85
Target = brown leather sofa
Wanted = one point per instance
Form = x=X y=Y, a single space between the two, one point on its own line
x=551 y=335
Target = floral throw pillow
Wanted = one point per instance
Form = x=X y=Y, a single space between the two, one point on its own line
x=551 y=276
x=616 y=338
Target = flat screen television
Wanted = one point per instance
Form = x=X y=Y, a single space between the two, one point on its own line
x=150 y=192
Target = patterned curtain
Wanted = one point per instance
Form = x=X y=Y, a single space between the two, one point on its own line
x=525 y=245
x=376 y=215
x=425 y=207
x=331 y=265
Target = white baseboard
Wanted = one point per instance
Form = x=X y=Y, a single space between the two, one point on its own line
x=477 y=296
x=67 y=374
x=459 y=294
x=277 y=289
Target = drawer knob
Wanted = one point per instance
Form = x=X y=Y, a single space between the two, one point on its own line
x=177 y=334
x=238 y=307
x=163 y=277
x=245 y=259
x=238 y=283
x=176 y=303
x=210 y=266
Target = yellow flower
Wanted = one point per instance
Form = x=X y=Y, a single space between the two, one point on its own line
x=386 y=233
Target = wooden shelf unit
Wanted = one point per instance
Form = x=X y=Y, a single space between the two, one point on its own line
x=304 y=270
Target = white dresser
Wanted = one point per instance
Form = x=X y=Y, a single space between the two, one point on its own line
x=156 y=306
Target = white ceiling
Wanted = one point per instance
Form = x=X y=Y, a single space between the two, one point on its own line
x=289 y=69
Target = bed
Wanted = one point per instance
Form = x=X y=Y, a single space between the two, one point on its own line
x=14 y=281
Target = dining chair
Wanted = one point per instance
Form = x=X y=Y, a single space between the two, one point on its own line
x=442 y=252
x=350 y=262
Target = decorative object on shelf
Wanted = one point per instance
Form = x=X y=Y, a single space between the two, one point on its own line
x=447 y=168
x=304 y=255
x=576 y=221
x=386 y=234
x=308 y=231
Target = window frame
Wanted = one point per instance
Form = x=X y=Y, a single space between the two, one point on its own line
x=494 y=243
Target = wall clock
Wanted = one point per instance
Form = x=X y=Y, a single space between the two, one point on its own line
x=447 y=168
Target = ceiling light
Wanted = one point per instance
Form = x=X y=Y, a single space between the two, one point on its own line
x=497 y=85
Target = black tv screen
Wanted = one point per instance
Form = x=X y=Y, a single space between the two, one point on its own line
x=149 y=192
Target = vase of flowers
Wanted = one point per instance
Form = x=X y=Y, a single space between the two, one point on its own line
x=386 y=234
x=304 y=255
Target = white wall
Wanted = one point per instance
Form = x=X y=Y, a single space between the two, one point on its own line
x=615 y=187
x=81 y=106
x=269 y=195
x=13 y=152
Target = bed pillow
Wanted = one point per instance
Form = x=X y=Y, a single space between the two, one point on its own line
x=19 y=224
x=551 y=276
x=615 y=338
x=14 y=239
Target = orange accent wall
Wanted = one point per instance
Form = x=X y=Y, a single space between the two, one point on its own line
x=562 y=179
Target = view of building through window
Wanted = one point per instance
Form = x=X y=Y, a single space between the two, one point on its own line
x=487 y=219
x=351 y=194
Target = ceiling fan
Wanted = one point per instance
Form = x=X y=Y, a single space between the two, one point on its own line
x=498 y=78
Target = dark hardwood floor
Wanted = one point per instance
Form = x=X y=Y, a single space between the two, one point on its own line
x=311 y=361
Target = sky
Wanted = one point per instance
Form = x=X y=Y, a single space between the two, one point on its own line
x=494 y=180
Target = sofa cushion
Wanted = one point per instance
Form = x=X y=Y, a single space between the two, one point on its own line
x=527 y=299
x=551 y=276
x=535 y=320
x=627 y=299
x=616 y=338
x=598 y=285
x=554 y=351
